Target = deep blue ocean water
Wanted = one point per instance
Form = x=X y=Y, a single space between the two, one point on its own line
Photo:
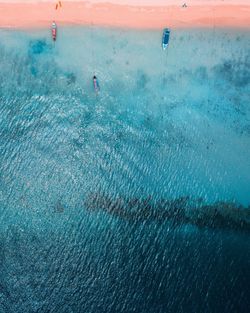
x=133 y=200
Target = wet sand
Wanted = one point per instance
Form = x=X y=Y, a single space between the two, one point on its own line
x=40 y=14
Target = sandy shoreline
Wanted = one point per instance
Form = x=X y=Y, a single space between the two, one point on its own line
x=30 y=15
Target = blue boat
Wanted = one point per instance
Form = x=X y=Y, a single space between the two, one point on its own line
x=165 y=38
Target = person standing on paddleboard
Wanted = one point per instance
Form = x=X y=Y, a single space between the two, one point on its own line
x=96 y=84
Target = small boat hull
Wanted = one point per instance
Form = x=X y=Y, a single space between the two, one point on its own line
x=165 y=38
x=54 y=31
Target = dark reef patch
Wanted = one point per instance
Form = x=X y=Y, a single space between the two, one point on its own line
x=180 y=211
x=142 y=79
x=71 y=78
x=201 y=73
x=37 y=47
x=236 y=72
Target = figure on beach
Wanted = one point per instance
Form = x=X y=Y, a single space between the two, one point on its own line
x=58 y=4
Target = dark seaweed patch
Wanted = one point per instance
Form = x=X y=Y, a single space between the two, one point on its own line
x=236 y=72
x=179 y=211
x=37 y=47
x=201 y=73
x=33 y=70
x=142 y=79
x=59 y=208
x=71 y=78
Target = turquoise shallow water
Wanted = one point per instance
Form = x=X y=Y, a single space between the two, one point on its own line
x=133 y=200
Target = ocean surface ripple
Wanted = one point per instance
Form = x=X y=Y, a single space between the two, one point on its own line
x=133 y=200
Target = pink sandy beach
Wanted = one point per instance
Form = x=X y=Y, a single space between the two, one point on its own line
x=205 y=14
